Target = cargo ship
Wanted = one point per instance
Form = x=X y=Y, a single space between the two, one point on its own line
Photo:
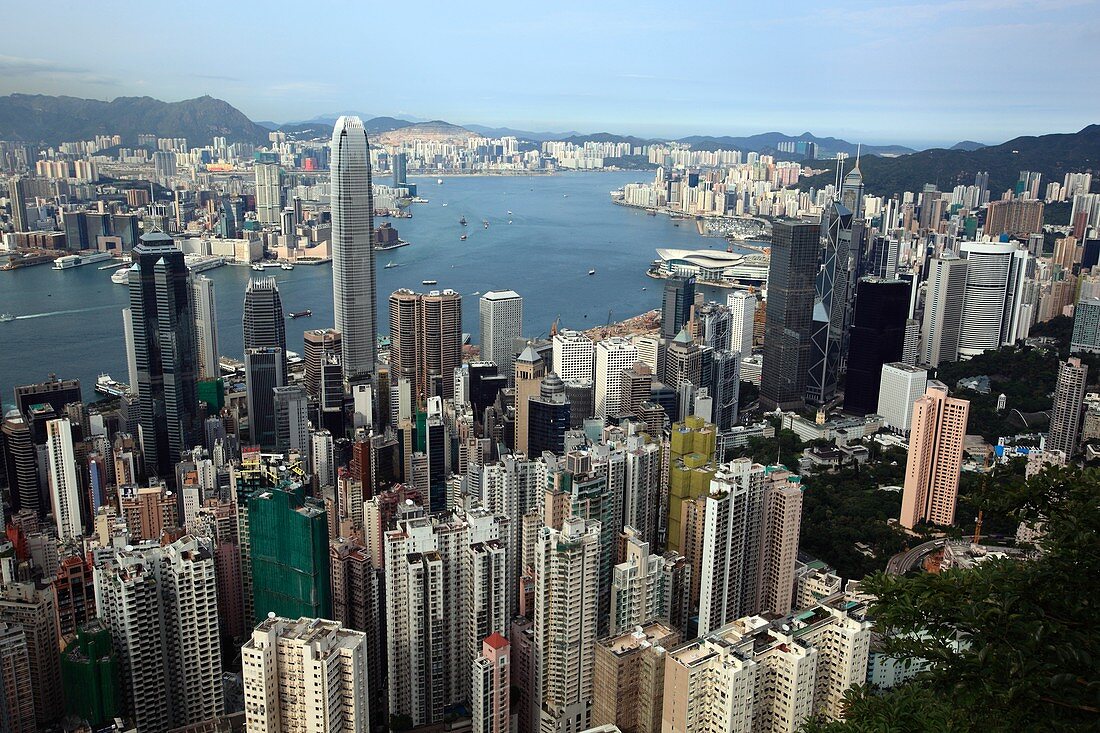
x=67 y=262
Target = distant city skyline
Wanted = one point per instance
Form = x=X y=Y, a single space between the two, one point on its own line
x=925 y=74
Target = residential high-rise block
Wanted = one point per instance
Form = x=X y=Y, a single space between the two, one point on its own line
x=1086 y=326
x=491 y=683
x=426 y=340
x=566 y=599
x=501 y=322
x=206 y=327
x=790 y=305
x=639 y=594
x=269 y=203
x=17 y=703
x=574 y=356
x=263 y=320
x=614 y=356
x=308 y=674
x=165 y=352
x=935 y=457
x=353 y=273
x=679 y=297
x=32 y=608
x=1017 y=217
x=943 y=307
x=629 y=678
x=160 y=604
x=61 y=473
x=1069 y=397
x=876 y=337
x=89 y=672
x=899 y=387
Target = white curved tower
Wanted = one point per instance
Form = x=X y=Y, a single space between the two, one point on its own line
x=353 y=278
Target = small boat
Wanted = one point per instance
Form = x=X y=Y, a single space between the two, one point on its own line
x=462 y=221
x=301 y=314
x=476 y=292
x=591 y=272
x=287 y=266
x=440 y=182
x=509 y=213
x=643 y=289
x=390 y=265
x=462 y=238
x=121 y=277
x=429 y=282
x=5 y=317
x=509 y=221
x=258 y=267
x=444 y=203
x=565 y=195
x=485 y=224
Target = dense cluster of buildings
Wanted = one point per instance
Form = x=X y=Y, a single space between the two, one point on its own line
x=550 y=538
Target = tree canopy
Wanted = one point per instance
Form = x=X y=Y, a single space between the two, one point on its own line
x=1011 y=645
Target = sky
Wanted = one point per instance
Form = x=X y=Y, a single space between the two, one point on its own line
x=915 y=73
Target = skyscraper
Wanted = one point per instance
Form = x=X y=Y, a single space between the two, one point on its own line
x=943 y=307
x=530 y=371
x=264 y=371
x=426 y=340
x=17 y=703
x=566 y=593
x=268 y=193
x=830 y=304
x=679 y=296
x=491 y=682
x=64 y=489
x=324 y=381
x=206 y=327
x=1069 y=396
x=995 y=275
x=935 y=457
x=899 y=387
x=614 y=356
x=291 y=421
x=790 y=305
x=263 y=320
x=548 y=417
x=742 y=314
x=33 y=609
x=309 y=672
x=17 y=195
x=160 y=604
x=877 y=337
x=501 y=321
x=353 y=275
x=400 y=168
x=165 y=352
x=574 y=356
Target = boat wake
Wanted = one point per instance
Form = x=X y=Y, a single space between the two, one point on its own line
x=29 y=316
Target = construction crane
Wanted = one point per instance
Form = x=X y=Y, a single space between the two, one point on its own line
x=607 y=325
x=978 y=527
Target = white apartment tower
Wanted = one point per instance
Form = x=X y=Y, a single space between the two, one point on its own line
x=574 y=356
x=501 y=322
x=446 y=591
x=161 y=606
x=995 y=275
x=64 y=489
x=268 y=194
x=743 y=313
x=637 y=585
x=613 y=357
x=353 y=275
x=567 y=574
x=308 y=675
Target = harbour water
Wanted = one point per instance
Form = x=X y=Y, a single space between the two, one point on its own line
x=69 y=321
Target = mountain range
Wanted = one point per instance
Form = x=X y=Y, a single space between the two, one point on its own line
x=887 y=169
x=1052 y=155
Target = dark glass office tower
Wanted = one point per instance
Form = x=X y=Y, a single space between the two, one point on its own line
x=548 y=417
x=264 y=370
x=676 y=310
x=831 y=288
x=877 y=338
x=165 y=351
x=790 y=305
x=263 y=320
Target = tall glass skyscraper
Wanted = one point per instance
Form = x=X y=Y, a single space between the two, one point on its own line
x=263 y=320
x=165 y=352
x=353 y=275
x=790 y=307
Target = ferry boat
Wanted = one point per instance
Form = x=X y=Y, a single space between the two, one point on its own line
x=105 y=385
x=429 y=282
x=301 y=314
x=287 y=266
x=258 y=267
x=591 y=272
x=5 y=317
x=69 y=261
x=121 y=277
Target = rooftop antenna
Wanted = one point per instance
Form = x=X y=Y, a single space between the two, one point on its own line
x=858 y=146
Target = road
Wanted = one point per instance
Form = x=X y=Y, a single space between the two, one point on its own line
x=903 y=562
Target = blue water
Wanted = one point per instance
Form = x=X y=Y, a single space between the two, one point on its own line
x=562 y=226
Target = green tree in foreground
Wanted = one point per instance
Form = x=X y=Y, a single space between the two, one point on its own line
x=1012 y=646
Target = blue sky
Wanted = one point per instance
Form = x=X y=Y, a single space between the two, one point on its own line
x=907 y=72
